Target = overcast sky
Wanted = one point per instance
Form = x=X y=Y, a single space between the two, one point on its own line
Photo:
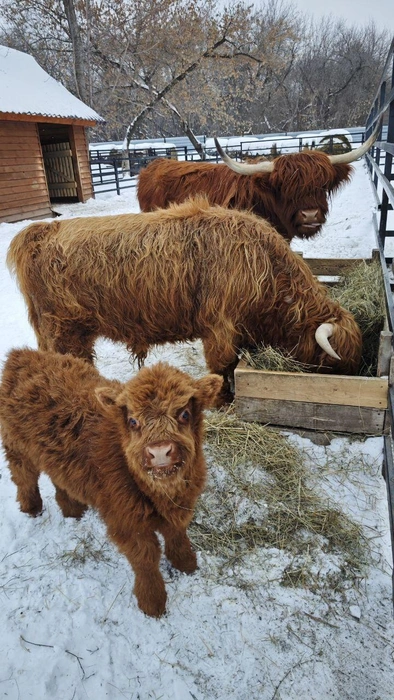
x=353 y=11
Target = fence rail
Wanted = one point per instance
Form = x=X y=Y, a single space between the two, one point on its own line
x=113 y=171
x=380 y=164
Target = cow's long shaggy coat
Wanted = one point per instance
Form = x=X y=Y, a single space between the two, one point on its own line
x=133 y=451
x=300 y=182
x=190 y=271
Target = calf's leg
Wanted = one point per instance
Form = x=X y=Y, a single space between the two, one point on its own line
x=178 y=549
x=25 y=476
x=143 y=552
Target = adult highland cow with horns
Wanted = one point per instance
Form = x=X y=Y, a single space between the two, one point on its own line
x=177 y=274
x=291 y=192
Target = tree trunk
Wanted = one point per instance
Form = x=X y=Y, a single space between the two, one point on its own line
x=80 y=64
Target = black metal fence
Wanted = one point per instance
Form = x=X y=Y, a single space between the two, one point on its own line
x=380 y=163
x=114 y=171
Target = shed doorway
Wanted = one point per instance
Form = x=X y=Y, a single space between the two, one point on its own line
x=58 y=158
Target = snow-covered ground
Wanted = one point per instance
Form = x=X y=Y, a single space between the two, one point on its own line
x=70 y=625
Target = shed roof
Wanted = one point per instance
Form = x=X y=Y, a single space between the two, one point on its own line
x=26 y=89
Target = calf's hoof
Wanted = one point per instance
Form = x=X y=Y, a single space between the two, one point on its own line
x=32 y=509
x=151 y=599
x=36 y=513
x=186 y=564
x=153 y=608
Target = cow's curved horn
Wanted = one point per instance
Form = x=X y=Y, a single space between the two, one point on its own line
x=351 y=156
x=322 y=334
x=265 y=166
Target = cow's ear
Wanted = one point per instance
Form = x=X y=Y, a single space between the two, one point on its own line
x=342 y=174
x=208 y=389
x=106 y=396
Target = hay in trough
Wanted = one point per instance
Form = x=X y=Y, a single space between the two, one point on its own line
x=259 y=497
x=360 y=291
x=274 y=359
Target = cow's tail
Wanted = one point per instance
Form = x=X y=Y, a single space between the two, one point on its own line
x=24 y=249
x=24 y=246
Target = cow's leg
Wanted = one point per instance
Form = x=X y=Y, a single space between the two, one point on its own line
x=70 y=507
x=143 y=553
x=25 y=476
x=221 y=358
x=65 y=337
x=76 y=341
x=178 y=549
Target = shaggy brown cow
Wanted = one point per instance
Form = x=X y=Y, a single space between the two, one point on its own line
x=132 y=451
x=190 y=271
x=291 y=192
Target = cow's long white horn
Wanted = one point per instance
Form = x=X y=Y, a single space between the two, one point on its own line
x=265 y=166
x=322 y=334
x=351 y=156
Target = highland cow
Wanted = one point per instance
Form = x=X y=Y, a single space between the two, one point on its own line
x=291 y=192
x=132 y=451
x=190 y=271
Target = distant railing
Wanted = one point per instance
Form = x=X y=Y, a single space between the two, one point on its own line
x=114 y=171
x=380 y=163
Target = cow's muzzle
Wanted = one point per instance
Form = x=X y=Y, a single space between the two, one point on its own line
x=162 y=459
x=309 y=221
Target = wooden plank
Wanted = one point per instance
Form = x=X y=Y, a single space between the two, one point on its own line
x=14 y=126
x=322 y=417
x=58 y=185
x=27 y=197
x=385 y=353
x=19 y=187
x=332 y=266
x=312 y=388
x=24 y=209
x=21 y=147
x=20 y=167
x=10 y=163
x=33 y=214
x=57 y=154
x=80 y=151
x=16 y=177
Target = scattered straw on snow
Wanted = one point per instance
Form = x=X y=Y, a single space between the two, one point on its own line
x=260 y=496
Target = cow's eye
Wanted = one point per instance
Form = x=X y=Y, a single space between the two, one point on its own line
x=133 y=423
x=184 y=416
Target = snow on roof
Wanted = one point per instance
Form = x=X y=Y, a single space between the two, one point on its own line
x=25 y=88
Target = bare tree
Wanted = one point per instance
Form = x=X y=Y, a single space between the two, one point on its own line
x=165 y=67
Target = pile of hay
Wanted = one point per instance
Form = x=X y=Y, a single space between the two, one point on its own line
x=360 y=290
x=274 y=359
x=259 y=497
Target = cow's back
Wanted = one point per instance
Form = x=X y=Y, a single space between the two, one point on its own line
x=165 y=181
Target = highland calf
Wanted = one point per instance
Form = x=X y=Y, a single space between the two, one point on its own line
x=291 y=192
x=177 y=274
x=132 y=451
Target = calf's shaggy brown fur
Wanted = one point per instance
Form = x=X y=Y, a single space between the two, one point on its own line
x=186 y=272
x=132 y=451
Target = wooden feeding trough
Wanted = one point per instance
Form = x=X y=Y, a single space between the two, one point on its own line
x=353 y=404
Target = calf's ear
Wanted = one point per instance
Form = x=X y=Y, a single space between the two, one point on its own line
x=106 y=396
x=208 y=389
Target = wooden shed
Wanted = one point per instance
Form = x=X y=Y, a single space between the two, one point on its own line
x=44 y=154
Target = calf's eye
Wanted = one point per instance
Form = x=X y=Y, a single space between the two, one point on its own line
x=184 y=416
x=133 y=423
